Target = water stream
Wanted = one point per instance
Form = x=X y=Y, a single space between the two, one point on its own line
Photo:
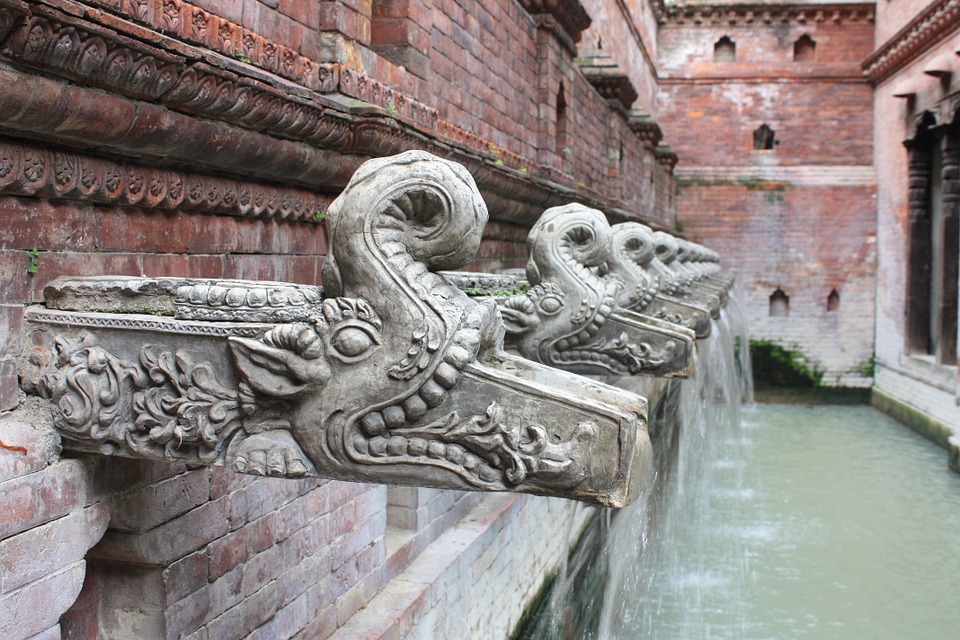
x=787 y=521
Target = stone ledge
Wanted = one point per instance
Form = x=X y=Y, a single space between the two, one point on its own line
x=393 y=612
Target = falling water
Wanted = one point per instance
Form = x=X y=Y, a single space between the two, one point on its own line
x=622 y=553
x=651 y=576
x=803 y=522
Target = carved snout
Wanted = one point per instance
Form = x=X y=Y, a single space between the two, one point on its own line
x=571 y=318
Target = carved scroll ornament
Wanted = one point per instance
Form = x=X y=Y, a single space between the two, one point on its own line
x=570 y=317
x=393 y=376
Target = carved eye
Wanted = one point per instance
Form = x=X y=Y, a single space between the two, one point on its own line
x=550 y=304
x=352 y=342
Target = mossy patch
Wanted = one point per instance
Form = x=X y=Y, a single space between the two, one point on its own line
x=775 y=365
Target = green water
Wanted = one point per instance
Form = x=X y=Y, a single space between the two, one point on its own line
x=825 y=522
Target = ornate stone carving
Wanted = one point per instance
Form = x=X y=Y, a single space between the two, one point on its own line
x=394 y=376
x=929 y=27
x=633 y=251
x=30 y=170
x=677 y=281
x=269 y=118
x=717 y=13
x=569 y=318
x=645 y=128
x=610 y=82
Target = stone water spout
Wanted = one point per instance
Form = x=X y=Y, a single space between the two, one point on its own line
x=387 y=374
x=677 y=281
x=570 y=318
x=633 y=251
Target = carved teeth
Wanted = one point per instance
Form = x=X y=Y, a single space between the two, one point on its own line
x=435 y=449
x=468 y=338
x=563 y=344
x=455 y=454
x=417 y=446
x=458 y=356
x=373 y=424
x=397 y=445
x=432 y=393
x=394 y=416
x=414 y=407
x=378 y=446
x=446 y=375
x=360 y=444
x=470 y=462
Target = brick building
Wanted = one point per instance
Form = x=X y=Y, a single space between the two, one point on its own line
x=207 y=138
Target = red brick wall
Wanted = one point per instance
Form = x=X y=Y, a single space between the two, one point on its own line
x=801 y=216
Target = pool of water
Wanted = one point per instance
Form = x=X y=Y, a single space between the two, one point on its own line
x=804 y=522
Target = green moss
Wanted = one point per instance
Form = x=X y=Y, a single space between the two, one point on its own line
x=865 y=368
x=777 y=366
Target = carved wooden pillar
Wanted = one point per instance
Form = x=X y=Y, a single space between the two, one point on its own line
x=918 y=250
x=949 y=237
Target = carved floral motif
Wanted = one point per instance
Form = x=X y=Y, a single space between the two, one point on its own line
x=36 y=171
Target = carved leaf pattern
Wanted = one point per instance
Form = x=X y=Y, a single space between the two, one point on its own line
x=164 y=407
x=513 y=449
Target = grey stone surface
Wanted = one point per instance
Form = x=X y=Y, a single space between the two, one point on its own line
x=570 y=317
x=633 y=251
x=395 y=376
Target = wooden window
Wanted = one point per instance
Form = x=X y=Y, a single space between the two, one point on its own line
x=933 y=245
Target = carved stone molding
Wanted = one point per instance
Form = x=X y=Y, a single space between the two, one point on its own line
x=393 y=376
x=930 y=26
x=610 y=82
x=569 y=318
x=646 y=129
x=666 y=157
x=569 y=14
x=746 y=14
x=31 y=170
x=186 y=22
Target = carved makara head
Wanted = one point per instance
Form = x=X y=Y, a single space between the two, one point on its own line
x=372 y=377
x=570 y=318
x=567 y=303
x=650 y=283
x=394 y=376
x=633 y=249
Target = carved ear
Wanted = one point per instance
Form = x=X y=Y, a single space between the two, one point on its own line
x=275 y=372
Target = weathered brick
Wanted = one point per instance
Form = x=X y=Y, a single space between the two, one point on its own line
x=167 y=542
x=25 y=448
x=38 y=606
x=160 y=502
x=48 y=548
